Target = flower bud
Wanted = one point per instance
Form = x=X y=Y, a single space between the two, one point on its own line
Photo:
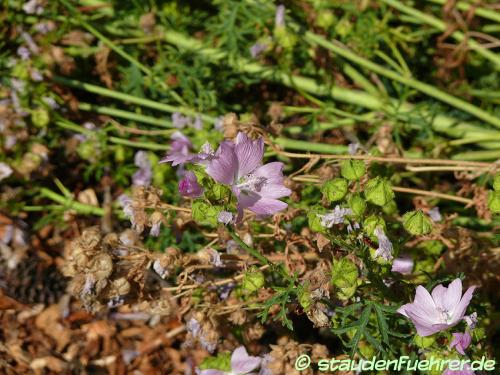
x=189 y=187
x=378 y=191
x=40 y=117
x=390 y=208
x=253 y=280
x=353 y=169
x=417 y=223
x=357 y=204
x=335 y=190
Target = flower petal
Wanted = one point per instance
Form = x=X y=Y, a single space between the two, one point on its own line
x=422 y=327
x=274 y=191
x=453 y=295
x=249 y=154
x=211 y=372
x=260 y=205
x=273 y=172
x=224 y=166
x=242 y=363
x=459 y=311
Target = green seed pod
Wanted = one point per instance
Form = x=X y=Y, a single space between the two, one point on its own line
x=357 y=204
x=345 y=278
x=314 y=222
x=353 y=169
x=417 y=223
x=390 y=208
x=494 y=201
x=120 y=153
x=87 y=150
x=334 y=190
x=371 y=223
x=284 y=38
x=40 y=117
x=496 y=182
x=325 y=19
x=379 y=191
x=253 y=280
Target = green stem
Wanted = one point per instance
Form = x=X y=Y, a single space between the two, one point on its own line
x=142 y=145
x=440 y=25
x=130 y=98
x=478 y=155
x=408 y=81
x=125 y=114
x=323 y=148
x=69 y=203
x=482 y=12
x=439 y=123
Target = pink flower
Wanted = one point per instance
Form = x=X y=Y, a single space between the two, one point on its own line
x=241 y=364
x=461 y=341
x=179 y=150
x=403 y=265
x=189 y=186
x=256 y=186
x=144 y=174
x=443 y=309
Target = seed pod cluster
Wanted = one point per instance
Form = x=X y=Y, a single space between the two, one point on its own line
x=112 y=270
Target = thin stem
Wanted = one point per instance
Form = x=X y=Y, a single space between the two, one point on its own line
x=482 y=12
x=165 y=123
x=440 y=25
x=69 y=203
x=130 y=98
x=408 y=81
x=432 y=194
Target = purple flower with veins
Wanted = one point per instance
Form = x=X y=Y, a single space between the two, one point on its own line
x=24 y=53
x=403 y=265
x=189 y=187
x=225 y=217
x=144 y=175
x=256 y=186
x=241 y=364
x=471 y=320
x=442 y=309
x=461 y=341
x=384 y=244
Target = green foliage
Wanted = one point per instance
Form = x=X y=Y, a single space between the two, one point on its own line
x=204 y=213
x=253 y=280
x=220 y=362
x=345 y=278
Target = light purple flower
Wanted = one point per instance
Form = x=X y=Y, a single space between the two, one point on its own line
x=403 y=265
x=279 y=19
x=144 y=175
x=225 y=217
x=50 y=101
x=467 y=370
x=155 y=229
x=44 y=27
x=198 y=123
x=36 y=75
x=241 y=364
x=435 y=215
x=180 y=121
x=5 y=171
x=352 y=148
x=33 y=7
x=24 y=53
x=384 y=244
x=256 y=186
x=257 y=49
x=461 y=341
x=444 y=309
x=189 y=187
x=196 y=330
x=219 y=123
x=335 y=217
x=264 y=367
x=179 y=152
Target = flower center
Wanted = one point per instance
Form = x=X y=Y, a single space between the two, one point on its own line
x=251 y=182
x=445 y=316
